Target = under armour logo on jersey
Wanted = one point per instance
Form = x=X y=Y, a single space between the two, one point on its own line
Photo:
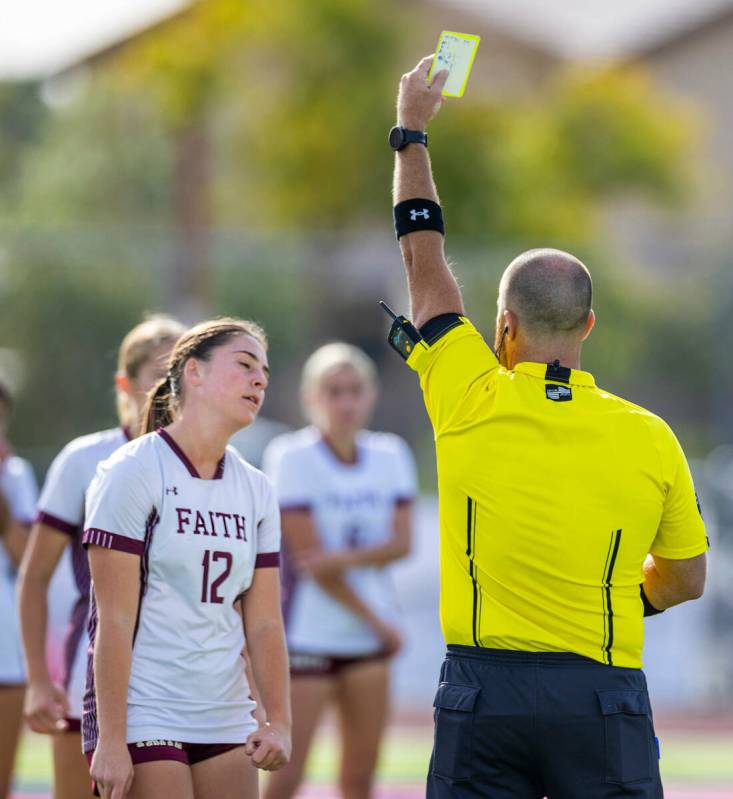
x=425 y=214
x=173 y=490
x=558 y=393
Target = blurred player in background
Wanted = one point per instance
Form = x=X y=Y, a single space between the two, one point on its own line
x=18 y=494
x=346 y=498
x=52 y=708
x=180 y=530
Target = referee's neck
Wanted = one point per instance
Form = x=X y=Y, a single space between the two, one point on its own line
x=568 y=356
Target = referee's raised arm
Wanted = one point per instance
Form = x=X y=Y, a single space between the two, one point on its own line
x=433 y=289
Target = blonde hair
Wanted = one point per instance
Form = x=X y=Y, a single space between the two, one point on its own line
x=327 y=359
x=198 y=342
x=136 y=349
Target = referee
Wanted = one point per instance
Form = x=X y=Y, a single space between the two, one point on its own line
x=566 y=515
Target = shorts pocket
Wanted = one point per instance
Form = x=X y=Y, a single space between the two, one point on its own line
x=629 y=736
x=453 y=747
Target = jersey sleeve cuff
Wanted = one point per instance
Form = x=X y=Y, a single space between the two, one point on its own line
x=265 y=560
x=121 y=543
x=60 y=525
x=681 y=554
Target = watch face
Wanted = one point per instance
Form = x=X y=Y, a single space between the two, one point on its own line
x=396 y=138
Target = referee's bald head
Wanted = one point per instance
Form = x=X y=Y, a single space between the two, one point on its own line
x=549 y=291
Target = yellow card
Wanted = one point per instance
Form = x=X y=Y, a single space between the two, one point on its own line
x=455 y=52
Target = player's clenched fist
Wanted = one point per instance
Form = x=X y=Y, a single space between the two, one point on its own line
x=419 y=101
x=269 y=747
x=112 y=771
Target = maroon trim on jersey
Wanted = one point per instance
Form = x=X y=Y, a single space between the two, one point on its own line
x=402 y=502
x=127 y=433
x=103 y=538
x=150 y=526
x=59 y=525
x=302 y=507
x=267 y=559
x=168 y=438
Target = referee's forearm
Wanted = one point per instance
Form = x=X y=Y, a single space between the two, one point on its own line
x=432 y=287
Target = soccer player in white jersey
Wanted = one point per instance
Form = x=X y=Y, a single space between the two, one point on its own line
x=345 y=494
x=180 y=532
x=51 y=708
x=18 y=493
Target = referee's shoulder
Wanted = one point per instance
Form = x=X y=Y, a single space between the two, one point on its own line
x=653 y=424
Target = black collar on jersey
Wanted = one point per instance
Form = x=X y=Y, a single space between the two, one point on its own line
x=557 y=373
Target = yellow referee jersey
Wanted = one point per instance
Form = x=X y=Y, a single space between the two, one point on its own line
x=552 y=493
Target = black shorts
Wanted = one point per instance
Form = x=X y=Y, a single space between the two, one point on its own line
x=525 y=725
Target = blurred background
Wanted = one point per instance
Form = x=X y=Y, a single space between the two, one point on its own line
x=221 y=157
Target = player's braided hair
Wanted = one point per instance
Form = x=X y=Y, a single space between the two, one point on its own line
x=199 y=342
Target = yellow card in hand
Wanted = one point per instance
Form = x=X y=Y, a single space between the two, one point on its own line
x=455 y=52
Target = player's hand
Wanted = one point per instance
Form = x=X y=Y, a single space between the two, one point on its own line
x=45 y=707
x=418 y=101
x=112 y=770
x=317 y=563
x=389 y=636
x=269 y=747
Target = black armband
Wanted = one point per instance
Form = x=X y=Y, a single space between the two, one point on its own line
x=412 y=215
x=438 y=326
x=649 y=609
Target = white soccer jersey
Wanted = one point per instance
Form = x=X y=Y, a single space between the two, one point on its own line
x=61 y=507
x=200 y=542
x=18 y=486
x=352 y=507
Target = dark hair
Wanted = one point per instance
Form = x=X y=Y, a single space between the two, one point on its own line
x=6 y=395
x=199 y=342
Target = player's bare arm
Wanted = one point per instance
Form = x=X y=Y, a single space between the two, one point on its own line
x=396 y=547
x=270 y=745
x=45 y=705
x=116 y=577
x=433 y=288
x=301 y=537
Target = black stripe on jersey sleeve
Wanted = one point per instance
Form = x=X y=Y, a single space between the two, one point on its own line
x=435 y=328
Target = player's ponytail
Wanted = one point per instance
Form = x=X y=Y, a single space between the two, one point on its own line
x=158 y=410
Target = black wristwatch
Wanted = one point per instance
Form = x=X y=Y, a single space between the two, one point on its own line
x=399 y=137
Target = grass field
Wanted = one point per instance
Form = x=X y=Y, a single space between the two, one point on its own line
x=695 y=764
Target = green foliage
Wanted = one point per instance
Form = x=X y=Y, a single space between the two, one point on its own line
x=540 y=169
x=22 y=116
x=102 y=159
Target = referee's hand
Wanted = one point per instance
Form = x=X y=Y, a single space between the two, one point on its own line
x=418 y=101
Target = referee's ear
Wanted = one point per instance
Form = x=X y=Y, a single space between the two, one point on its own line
x=589 y=325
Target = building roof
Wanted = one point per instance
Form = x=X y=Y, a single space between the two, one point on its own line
x=39 y=38
x=594 y=29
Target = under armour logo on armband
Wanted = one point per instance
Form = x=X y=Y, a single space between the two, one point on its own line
x=425 y=214
x=173 y=490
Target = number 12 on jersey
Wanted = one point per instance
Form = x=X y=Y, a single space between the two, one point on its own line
x=209 y=593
